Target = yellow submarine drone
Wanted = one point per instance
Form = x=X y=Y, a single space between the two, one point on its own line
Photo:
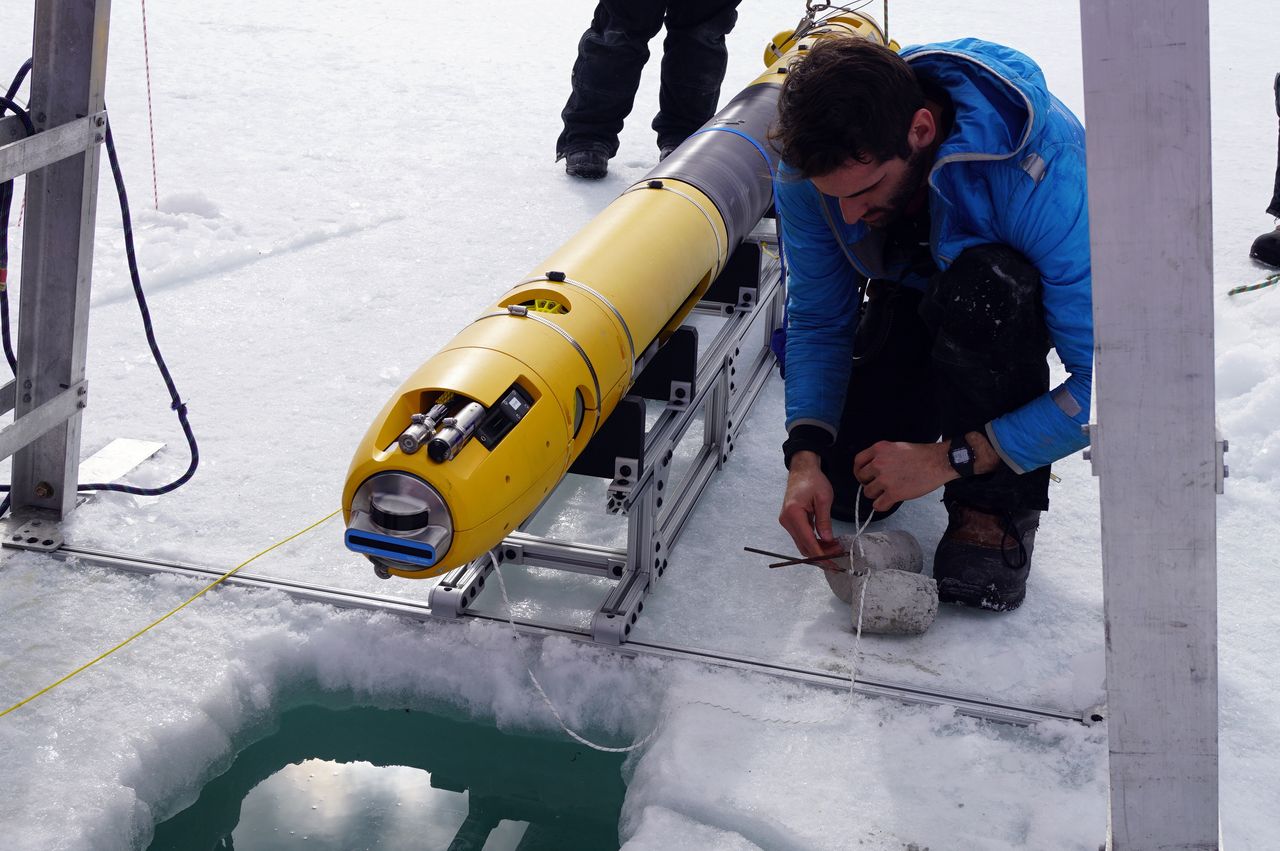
x=473 y=442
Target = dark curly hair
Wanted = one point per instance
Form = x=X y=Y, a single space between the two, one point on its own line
x=848 y=98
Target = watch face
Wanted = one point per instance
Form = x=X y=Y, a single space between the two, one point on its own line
x=961 y=455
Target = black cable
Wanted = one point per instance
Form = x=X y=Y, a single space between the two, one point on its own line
x=6 y=335
x=176 y=402
x=6 y=200
x=17 y=79
x=6 y=203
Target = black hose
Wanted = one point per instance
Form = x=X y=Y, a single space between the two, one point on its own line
x=6 y=335
x=176 y=402
x=17 y=80
x=6 y=204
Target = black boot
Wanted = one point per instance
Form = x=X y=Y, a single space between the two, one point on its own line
x=1266 y=248
x=983 y=558
x=591 y=163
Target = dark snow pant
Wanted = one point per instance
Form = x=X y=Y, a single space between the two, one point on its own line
x=612 y=53
x=946 y=362
x=1274 y=209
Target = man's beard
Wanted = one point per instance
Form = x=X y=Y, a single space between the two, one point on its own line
x=893 y=210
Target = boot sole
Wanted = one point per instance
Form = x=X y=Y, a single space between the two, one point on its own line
x=979 y=597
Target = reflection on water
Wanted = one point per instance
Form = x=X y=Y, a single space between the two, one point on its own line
x=378 y=779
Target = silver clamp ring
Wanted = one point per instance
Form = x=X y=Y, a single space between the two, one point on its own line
x=631 y=344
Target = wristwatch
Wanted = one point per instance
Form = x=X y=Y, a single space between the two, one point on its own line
x=961 y=456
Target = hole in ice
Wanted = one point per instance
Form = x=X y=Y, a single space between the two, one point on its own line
x=373 y=778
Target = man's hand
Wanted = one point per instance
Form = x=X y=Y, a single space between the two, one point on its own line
x=806 y=507
x=895 y=472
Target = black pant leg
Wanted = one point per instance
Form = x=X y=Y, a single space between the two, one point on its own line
x=694 y=58
x=611 y=55
x=890 y=394
x=1274 y=209
x=989 y=358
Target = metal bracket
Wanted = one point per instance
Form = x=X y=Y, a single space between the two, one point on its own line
x=459 y=588
x=512 y=552
x=36 y=422
x=613 y=621
x=681 y=393
x=1091 y=432
x=626 y=475
x=38 y=531
x=1221 y=471
x=66 y=140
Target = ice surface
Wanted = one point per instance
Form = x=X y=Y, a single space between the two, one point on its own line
x=340 y=192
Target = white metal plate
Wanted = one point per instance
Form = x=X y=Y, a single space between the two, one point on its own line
x=116 y=459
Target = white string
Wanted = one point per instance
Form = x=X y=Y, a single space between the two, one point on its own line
x=859 y=528
x=563 y=726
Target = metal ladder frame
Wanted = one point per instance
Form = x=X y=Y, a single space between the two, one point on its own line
x=68 y=76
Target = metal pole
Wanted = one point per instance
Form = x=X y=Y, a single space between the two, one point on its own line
x=1146 y=79
x=69 y=53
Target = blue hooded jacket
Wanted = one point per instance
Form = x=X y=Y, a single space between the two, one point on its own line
x=1012 y=171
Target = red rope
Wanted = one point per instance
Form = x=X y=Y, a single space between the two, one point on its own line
x=146 y=53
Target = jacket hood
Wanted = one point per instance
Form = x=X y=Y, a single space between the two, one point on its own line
x=984 y=80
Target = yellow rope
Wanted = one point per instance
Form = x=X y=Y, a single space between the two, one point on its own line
x=160 y=620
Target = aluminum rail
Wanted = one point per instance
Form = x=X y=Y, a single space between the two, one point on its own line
x=29 y=154
x=1003 y=712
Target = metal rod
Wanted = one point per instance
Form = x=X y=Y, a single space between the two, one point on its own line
x=976 y=706
x=816 y=562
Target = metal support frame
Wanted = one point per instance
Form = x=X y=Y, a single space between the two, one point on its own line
x=729 y=377
x=68 y=75
x=32 y=153
x=975 y=706
x=1146 y=80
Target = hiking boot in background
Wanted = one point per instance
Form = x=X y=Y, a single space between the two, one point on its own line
x=1266 y=248
x=587 y=163
x=984 y=557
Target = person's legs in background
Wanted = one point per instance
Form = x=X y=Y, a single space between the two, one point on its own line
x=1266 y=248
x=611 y=55
x=694 y=58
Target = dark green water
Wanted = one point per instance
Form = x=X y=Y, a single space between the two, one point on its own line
x=393 y=780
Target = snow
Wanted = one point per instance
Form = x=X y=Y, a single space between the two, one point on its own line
x=338 y=195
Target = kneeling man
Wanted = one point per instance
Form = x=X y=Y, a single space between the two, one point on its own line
x=947 y=186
